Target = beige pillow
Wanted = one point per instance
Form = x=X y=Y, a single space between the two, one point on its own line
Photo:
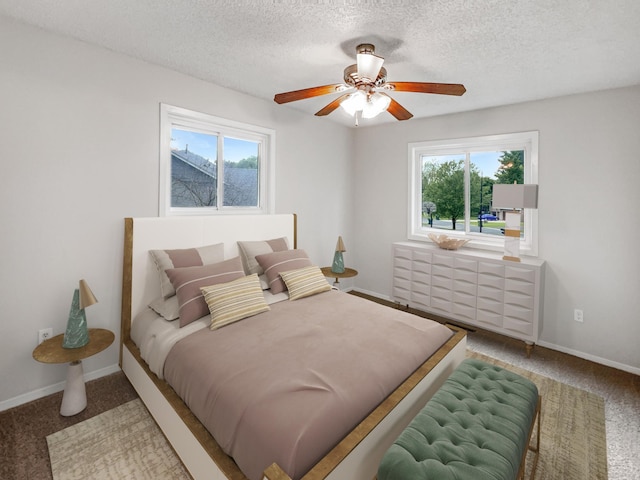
x=304 y=282
x=184 y=257
x=169 y=308
x=188 y=280
x=276 y=262
x=235 y=300
x=249 y=250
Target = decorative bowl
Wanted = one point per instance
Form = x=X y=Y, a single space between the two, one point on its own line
x=447 y=243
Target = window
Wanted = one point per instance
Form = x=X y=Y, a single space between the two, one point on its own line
x=452 y=184
x=213 y=165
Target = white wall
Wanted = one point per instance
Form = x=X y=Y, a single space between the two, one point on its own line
x=589 y=176
x=79 y=129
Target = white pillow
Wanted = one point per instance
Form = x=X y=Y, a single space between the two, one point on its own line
x=166 y=307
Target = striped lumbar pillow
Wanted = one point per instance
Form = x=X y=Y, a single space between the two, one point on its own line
x=235 y=300
x=304 y=282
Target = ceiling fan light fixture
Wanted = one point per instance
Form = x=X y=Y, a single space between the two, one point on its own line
x=376 y=104
x=356 y=102
x=366 y=105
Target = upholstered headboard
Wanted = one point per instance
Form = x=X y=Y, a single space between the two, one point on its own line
x=140 y=281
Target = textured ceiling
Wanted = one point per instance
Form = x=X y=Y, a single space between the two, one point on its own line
x=503 y=51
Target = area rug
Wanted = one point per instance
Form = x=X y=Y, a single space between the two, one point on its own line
x=125 y=443
x=572 y=441
x=122 y=443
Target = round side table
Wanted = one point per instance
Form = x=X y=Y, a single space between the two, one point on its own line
x=348 y=272
x=74 y=398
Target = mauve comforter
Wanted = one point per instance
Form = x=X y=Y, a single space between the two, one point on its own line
x=287 y=385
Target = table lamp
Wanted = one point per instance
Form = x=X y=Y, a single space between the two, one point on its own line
x=513 y=196
x=77 y=334
x=338 y=262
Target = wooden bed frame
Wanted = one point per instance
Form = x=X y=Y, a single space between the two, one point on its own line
x=356 y=457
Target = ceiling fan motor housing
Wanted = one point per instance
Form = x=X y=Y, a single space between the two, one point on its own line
x=366 y=48
x=352 y=78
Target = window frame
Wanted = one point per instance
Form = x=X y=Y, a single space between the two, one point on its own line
x=178 y=117
x=527 y=141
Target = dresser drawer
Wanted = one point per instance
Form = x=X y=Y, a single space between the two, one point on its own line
x=491 y=281
x=489 y=305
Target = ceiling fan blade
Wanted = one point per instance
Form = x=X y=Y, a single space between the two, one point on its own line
x=332 y=106
x=307 y=93
x=398 y=110
x=421 y=87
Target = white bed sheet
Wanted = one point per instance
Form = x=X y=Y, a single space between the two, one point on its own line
x=155 y=336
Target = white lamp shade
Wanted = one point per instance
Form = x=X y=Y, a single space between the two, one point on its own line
x=354 y=102
x=369 y=105
x=515 y=195
x=376 y=104
x=369 y=66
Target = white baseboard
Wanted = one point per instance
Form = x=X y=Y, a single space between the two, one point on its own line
x=592 y=358
x=559 y=348
x=57 y=387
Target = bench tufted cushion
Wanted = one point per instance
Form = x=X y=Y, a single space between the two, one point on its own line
x=475 y=427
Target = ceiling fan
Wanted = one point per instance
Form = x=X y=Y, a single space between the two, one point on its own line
x=364 y=89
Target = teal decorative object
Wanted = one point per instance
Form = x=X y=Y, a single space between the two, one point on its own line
x=77 y=333
x=338 y=262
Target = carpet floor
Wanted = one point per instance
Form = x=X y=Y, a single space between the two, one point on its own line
x=23 y=429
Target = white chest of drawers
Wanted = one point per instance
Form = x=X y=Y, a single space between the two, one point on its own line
x=471 y=287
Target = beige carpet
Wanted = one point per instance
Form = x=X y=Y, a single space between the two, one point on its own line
x=125 y=443
x=572 y=442
x=122 y=443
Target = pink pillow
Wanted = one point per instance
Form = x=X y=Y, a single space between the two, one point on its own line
x=276 y=262
x=188 y=280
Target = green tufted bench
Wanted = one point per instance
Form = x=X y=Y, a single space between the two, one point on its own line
x=477 y=426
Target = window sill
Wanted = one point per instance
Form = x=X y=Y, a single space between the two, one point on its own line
x=495 y=246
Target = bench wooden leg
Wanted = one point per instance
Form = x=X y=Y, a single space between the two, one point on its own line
x=535 y=449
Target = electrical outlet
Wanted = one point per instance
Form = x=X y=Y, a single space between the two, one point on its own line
x=44 y=334
x=578 y=315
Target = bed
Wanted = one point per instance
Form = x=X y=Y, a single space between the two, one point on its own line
x=353 y=453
